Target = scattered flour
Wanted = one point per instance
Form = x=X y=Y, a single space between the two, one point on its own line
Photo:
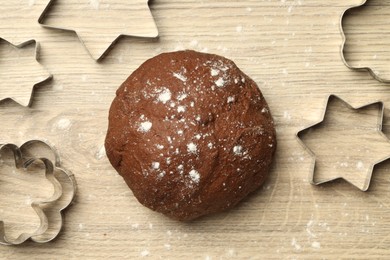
x=295 y=244
x=164 y=96
x=230 y=99
x=181 y=109
x=145 y=253
x=237 y=150
x=63 y=124
x=214 y=72
x=192 y=148
x=316 y=245
x=181 y=96
x=155 y=165
x=180 y=76
x=145 y=126
x=287 y=115
x=101 y=153
x=94 y=4
x=194 y=175
x=220 y=82
x=359 y=165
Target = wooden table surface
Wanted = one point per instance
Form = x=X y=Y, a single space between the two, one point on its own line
x=291 y=48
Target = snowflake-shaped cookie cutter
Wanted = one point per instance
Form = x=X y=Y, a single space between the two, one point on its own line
x=373 y=73
x=48 y=210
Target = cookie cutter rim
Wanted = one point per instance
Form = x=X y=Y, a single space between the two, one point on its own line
x=344 y=40
x=36 y=55
x=70 y=176
x=25 y=161
x=22 y=162
x=102 y=55
x=314 y=157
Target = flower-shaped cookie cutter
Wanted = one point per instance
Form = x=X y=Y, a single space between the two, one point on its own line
x=373 y=73
x=48 y=210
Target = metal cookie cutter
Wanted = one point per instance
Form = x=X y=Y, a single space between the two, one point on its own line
x=15 y=59
x=344 y=39
x=48 y=210
x=346 y=144
x=99 y=25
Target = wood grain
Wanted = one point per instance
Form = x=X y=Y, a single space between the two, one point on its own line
x=292 y=50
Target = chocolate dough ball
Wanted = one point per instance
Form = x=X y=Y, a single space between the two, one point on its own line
x=191 y=134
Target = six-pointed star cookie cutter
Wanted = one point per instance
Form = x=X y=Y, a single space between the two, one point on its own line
x=48 y=210
x=36 y=54
x=99 y=56
x=378 y=129
x=342 y=50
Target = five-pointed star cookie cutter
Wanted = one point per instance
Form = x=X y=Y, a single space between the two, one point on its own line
x=100 y=55
x=378 y=127
x=50 y=210
x=373 y=73
x=36 y=55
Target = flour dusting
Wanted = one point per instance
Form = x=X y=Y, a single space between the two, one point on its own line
x=220 y=83
x=192 y=148
x=94 y=4
x=155 y=165
x=180 y=76
x=145 y=253
x=237 y=150
x=181 y=96
x=194 y=175
x=181 y=109
x=214 y=72
x=63 y=124
x=145 y=126
x=101 y=153
x=164 y=96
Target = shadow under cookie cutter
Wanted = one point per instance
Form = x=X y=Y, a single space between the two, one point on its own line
x=98 y=55
x=50 y=210
x=25 y=99
x=357 y=158
x=344 y=39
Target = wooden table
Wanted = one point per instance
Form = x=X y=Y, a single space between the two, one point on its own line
x=291 y=48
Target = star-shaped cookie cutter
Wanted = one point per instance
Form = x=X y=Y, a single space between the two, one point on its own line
x=358 y=158
x=51 y=208
x=373 y=73
x=18 y=20
x=89 y=35
x=13 y=87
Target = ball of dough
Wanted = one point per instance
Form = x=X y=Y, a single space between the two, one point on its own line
x=191 y=134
